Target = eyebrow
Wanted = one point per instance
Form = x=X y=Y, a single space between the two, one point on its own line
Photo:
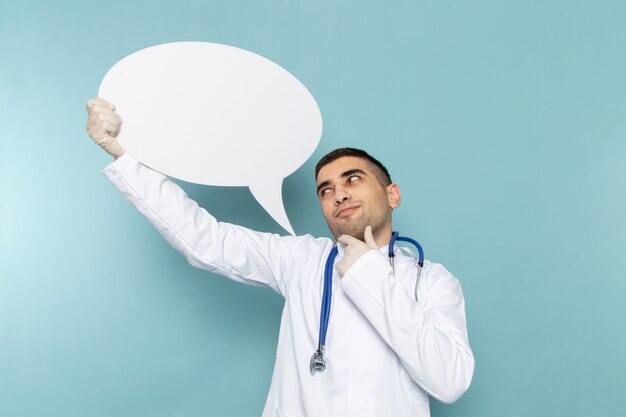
x=348 y=173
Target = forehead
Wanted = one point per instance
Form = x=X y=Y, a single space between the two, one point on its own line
x=333 y=170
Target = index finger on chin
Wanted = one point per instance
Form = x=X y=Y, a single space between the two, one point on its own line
x=346 y=239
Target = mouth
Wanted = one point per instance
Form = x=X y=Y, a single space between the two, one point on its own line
x=345 y=211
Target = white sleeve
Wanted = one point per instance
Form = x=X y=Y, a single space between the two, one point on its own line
x=429 y=337
x=236 y=252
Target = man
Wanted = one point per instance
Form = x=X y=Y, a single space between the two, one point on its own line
x=386 y=351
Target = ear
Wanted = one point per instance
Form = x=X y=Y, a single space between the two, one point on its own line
x=393 y=195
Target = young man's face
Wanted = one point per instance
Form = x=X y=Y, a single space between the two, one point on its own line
x=351 y=198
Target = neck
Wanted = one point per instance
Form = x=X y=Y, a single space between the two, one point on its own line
x=383 y=237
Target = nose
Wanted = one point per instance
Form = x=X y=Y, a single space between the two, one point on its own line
x=341 y=196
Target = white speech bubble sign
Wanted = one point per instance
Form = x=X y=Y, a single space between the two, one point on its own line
x=214 y=114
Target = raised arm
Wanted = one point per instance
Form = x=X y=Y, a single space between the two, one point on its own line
x=236 y=252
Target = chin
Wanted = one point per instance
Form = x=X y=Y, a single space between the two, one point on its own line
x=355 y=230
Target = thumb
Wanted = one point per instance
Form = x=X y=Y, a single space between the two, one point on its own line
x=369 y=238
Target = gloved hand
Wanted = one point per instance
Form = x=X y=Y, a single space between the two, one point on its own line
x=355 y=248
x=103 y=125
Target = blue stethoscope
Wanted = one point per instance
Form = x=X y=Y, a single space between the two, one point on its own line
x=318 y=363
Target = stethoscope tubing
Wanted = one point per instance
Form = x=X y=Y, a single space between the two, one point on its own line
x=317 y=360
x=327 y=295
x=396 y=237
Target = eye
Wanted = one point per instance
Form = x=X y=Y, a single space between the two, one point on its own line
x=353 y=178
x=325 y=192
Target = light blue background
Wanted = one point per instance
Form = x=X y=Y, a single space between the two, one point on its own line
x=504 y=122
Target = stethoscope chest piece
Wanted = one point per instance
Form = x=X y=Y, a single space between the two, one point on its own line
x=318 y=363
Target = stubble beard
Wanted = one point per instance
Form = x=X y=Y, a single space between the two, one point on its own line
x=355 y=228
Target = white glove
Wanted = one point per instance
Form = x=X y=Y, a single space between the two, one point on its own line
x=103 y=125
x=355 y=248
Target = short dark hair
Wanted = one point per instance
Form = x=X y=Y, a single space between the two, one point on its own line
x=379 y=169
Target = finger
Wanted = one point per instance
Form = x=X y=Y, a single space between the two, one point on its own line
x=108 y=117
x=98 y=109
x=339 y=266
x=90 y=103
x=101 y=110
x=347 y=239
x=369 y=238
x=102 y=130
x=99 y=101
x=110 y=128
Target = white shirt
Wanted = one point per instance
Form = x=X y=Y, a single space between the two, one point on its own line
x=385 y=351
